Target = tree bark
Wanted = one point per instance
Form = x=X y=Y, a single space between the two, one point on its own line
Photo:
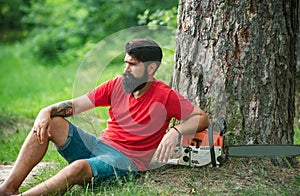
x=297 y=99
x=237 y=59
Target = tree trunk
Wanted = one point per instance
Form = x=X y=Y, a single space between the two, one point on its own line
x=297 y=99
x=237 y=59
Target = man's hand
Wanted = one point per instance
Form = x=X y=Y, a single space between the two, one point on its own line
x=62 y=109
x=167 y=146
x=41 y=124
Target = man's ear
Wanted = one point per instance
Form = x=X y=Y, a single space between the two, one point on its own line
x=152 y=68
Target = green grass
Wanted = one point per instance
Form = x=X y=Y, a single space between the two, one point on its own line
x=236 y=177
x=27 y=86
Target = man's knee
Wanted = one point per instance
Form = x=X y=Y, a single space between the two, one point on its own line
x=58 y=130
x=79 y=171
x=57 y=121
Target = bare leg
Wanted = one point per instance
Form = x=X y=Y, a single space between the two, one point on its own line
x=31 y=154
x=75 y=173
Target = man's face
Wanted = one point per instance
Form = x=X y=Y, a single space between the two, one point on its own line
x=135 y=75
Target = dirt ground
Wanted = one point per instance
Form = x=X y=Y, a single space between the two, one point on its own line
x=5 y=169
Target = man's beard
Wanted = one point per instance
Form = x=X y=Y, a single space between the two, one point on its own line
x=132 y=84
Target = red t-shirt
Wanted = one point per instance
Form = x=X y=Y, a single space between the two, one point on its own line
x=136 y=126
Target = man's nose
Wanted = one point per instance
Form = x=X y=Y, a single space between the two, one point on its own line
x=127 y=67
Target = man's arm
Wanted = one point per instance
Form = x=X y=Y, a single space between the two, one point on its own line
x=70 y=107
x=196 y=121
x=63 y=109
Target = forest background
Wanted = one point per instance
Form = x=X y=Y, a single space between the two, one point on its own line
x=42 y=44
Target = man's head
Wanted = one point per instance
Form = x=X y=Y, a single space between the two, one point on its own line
x=142 y=59
x=145 y=50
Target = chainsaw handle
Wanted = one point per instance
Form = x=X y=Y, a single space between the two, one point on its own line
x=211 y=144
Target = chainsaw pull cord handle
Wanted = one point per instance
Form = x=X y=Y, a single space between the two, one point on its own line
x=211 y=144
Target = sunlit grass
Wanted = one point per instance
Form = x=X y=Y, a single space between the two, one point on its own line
x=26 y=85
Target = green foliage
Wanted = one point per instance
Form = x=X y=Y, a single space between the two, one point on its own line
x=55 y=31
x=166 y=18
x=63 y=26
x=11 y=12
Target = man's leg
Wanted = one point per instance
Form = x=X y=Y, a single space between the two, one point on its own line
x=31 y=154
x=75 y=173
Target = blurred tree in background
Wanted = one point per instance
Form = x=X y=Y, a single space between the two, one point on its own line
x=158 y=18
x=11 y=25
x=54 y=28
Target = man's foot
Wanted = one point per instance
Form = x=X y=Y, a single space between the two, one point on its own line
x=6 y=192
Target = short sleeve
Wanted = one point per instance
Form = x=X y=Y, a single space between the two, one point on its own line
x=101 y=95
x=178 y=106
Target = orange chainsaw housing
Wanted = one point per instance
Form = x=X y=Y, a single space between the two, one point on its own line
x=202 y=148
x=201 y=139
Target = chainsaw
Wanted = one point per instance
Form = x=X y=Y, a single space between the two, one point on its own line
x=207 y=147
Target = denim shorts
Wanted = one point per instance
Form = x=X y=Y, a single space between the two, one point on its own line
x=105 y=161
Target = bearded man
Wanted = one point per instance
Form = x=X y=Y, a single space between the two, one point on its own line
x=140 y=110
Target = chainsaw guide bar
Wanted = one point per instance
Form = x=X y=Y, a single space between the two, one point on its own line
x=207 y=147
x=263 y=150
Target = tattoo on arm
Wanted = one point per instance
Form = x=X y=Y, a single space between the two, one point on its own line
x=63 y=109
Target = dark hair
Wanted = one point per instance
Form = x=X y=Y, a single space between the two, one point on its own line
x=144 y=50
